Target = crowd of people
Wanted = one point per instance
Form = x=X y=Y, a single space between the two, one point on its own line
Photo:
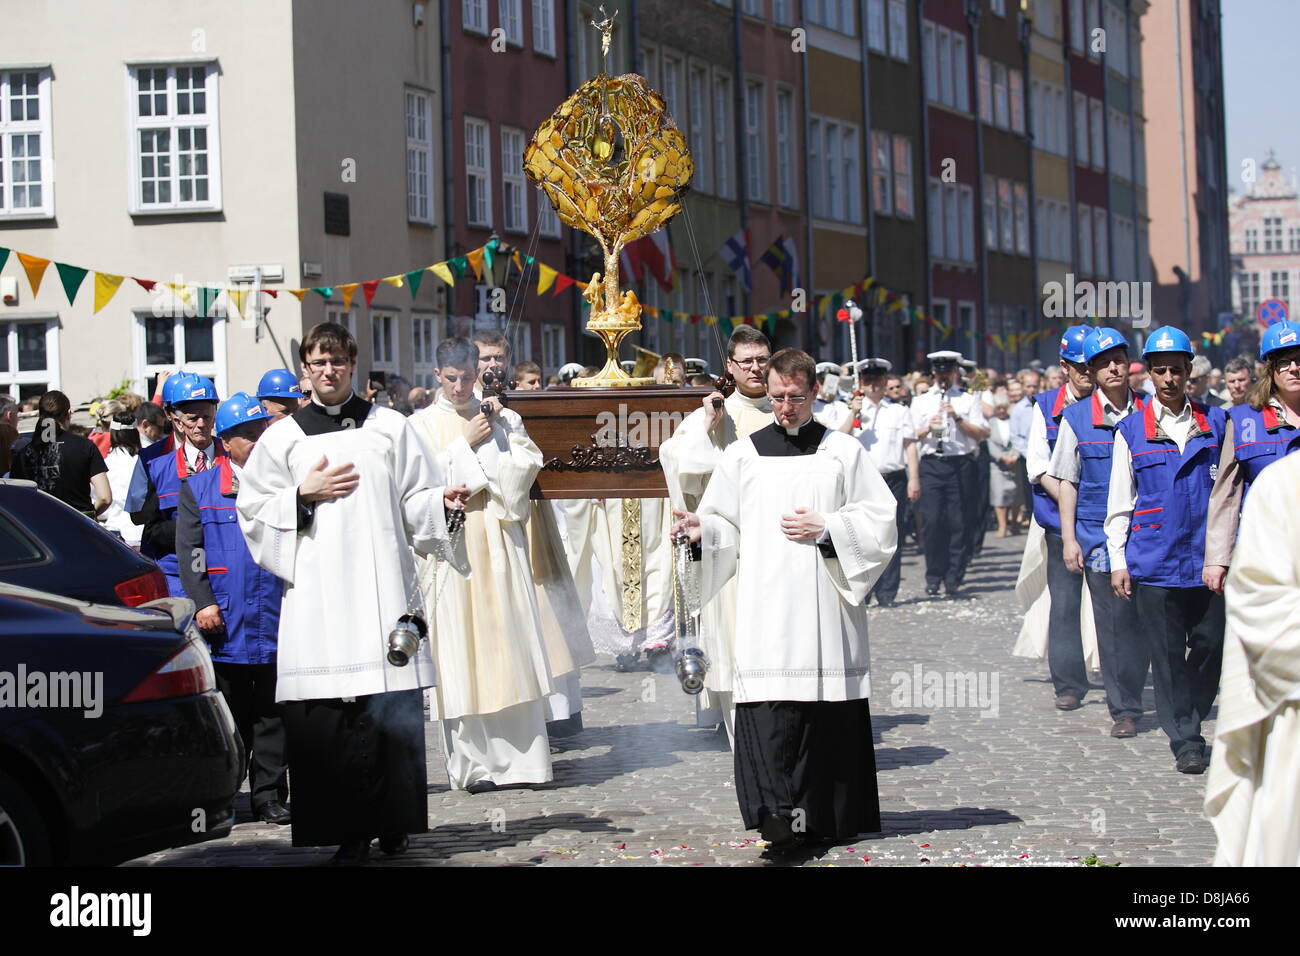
x=318 y=521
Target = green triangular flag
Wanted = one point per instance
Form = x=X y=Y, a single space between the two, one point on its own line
x=725 y=322
x=414 y=277
x=488 y=250
x=72 y=277
x=324 y=291
x=207 y=297
x=460 y=265
x=529 y=259
x=4 y=255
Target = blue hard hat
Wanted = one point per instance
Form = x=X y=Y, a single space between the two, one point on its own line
x=1102 y=340
x=279 y=383
x=238 y=409
x=170 y=386
x=1167 y=339
x=1072 y=343
x=1278 y=336
x=194 y=388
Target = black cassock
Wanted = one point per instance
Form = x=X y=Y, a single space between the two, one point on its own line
x=816 y=757
x=357 y=767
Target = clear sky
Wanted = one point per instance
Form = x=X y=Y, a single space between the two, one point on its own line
x=1262 y=97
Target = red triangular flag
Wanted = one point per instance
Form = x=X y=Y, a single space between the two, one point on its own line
x=562 y=282
x=270 y=292
x=146 y=284
x=368 y=290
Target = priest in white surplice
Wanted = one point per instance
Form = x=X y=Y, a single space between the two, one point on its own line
x=493 y=669
x=688 y=459
x=804 y=522
x=1253 y=794
x=332 y=500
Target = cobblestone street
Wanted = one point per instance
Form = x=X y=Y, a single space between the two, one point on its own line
x=992 y=778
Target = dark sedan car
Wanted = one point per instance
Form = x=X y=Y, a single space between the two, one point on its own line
x=45 y=544
x=114 y=741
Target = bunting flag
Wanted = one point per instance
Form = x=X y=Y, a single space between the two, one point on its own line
x=348 y=291
x=443 y=272
x=414 y=278
x=395 y=281
x=514 y=257
x=368 y=290
x=326 y=292
x=181 y=292
x=207 y=298
x=545 y=277
x=35 y=268
x=488 y=252
x=106 y=287
x=562 y=282
x=459 y=265
x=297 y=293
x=236 y=297
x=71 y=277
x=146 y=284
x=4 y=256
x=475 y=259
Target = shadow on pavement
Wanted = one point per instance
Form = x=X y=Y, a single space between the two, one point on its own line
x=906 y=823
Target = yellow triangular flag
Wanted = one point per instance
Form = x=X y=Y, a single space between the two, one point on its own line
x=398 y=280
x=514 y=257
x=236 y=298
x=183 y=291
x=35 y=268
x=105 y=288
x=443 y=272
x=475 y=259
x=348 y=291
x=545 y=277
x=297 y=293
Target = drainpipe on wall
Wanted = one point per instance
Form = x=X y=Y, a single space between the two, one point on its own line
x=808 y=275
x=869 y=155
x=925 y=190
x=973 y=11
x=1026 y=37
x=742 y=147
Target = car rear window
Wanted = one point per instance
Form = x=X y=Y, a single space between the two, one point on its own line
x=15 y=546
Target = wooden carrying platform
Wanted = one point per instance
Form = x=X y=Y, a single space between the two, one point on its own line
x=602 y=442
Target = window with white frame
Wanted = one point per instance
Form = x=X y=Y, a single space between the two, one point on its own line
x=29 y=357
x=474 y=16
x=903 y=177
x=1040 y=228
x=671 y=85
x=930 y=59
x=419 y=157
x=898 y=30
x=1020 y=193
x=935 y=214
x=1076 y=25
x=553 y=355
x=590 y=60
x=175 y=142
x=383 y=340
x=511 y=19
x=26 y=161
x=1081 y=129
x=520 y=337
x=1279 y=284
x=951 y=221
x=781 y=12
x=514 y=197
x=1293 y=238
x=1045 y=17
x=1085 y=239
x=876 y=25
x=427 y=330
x=960 y=98
x=698 y=93
x=1016 y=81
x=1117 y=37
x=990 y=212
x=335 y=313
x=478 y=172
x=785 y=193
x=1094 y=24
x=946 y=94
x=1097 y=127
x=548 y=221
x=650 y=64
x=881 y=174
x=544 y=26
x=1102 y=239
x=723 y=135
x=966 y=200
x=833 y=14
x=178 y=338
x=999 y=7
x=851 y=176
x=1121 y=158
x=752 y=7
x=755 y=174
x=1272 y=234
x=1051 y=132
x=984 y=88
x=816 y=169
x=1006 y=222
x=1139 y=152
x=1001 y=105
x=1248 y=290
x=834 y=205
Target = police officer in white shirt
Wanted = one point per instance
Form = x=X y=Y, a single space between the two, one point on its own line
x=949 y=424
x=828 y=409
x=886 y=432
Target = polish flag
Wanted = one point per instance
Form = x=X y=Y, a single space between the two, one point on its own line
x=655 y=256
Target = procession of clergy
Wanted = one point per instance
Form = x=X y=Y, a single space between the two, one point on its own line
x=784 y=523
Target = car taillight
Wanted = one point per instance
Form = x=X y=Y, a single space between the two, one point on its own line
x=141 y=590
x=184 y=674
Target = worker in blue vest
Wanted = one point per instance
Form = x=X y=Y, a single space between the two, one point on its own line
x=1081 y=465
x=238 y=602
x=280 y=393
x=1260 y=432
x=1064 y=635
x=138 y=489
x=151 y=501
x=1165 y=462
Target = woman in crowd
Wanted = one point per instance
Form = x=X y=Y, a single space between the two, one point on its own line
x=1004 y=488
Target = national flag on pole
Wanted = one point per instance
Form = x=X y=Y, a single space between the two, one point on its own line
x=650 y=257
x=735 y=253
x=782 y=257
x=630 y=263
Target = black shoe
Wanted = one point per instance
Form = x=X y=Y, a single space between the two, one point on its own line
x=1191 y=761
x=884 y=602
x=274 y=812
x=932 y=590
x=352 y=853
x=394 y=843
x=625 y=662
x=481 y=786
x=778 y=834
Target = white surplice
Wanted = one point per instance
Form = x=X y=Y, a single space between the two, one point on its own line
x=1253 y=793
x=801 y=620
x=350 y=572
x=688 y=459
x=490 y=648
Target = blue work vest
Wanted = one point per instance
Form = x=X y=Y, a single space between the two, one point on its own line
x=248 y=595
x=1166 y=541
x=1050 y=405
x=1259 y=438
x=1096 y=448
x=163 y=465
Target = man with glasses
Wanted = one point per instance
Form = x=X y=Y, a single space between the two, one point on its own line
x=688 y=460
x=949 y=425
x=1198 y=384
x=816 y=524
x=333 y=499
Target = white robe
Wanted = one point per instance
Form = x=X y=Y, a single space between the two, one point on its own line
x=801 y=621
x=1036 y=602
x=1253 y=793
x=350 y=573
